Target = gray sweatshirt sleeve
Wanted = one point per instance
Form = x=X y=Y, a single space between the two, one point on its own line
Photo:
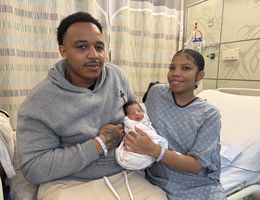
x=57 y=122
x=44 y=159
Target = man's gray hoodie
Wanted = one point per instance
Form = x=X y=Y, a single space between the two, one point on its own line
x=58 y=120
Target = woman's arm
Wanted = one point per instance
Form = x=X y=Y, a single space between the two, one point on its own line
x=181 y=162
x=141 y=143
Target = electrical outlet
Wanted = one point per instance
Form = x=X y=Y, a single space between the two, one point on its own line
x=230 y=54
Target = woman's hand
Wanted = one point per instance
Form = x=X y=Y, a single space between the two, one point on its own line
x=140 y=142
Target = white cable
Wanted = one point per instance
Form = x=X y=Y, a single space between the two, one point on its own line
x=111 y=187
x=128 y=186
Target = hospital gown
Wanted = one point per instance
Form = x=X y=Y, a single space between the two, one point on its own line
x=192 y=130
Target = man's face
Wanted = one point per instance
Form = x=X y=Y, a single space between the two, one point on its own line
x=83 y=48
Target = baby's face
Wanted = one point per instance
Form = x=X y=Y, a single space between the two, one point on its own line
x=135 y=112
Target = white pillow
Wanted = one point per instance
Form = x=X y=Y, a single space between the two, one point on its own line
x=239 y=115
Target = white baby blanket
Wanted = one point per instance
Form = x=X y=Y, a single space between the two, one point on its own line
x=135 y=161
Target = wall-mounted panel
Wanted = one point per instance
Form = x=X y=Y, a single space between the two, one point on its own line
x=234 y=41
x=240 y=20
x=211 y=62
x=209 y=84
x=239 y=84
x=208 y=15
x=247 y=67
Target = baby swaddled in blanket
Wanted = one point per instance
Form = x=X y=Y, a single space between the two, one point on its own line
x=136 y=117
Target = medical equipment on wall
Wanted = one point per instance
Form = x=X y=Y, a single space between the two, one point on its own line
x=196 y=41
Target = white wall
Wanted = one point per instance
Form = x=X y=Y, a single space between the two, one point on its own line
x=228 y=24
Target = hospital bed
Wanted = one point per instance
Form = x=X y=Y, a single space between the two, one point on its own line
x=240 y=138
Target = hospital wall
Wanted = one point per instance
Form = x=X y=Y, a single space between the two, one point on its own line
x=231 y=30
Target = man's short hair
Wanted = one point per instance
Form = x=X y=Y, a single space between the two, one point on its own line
x=74 y=18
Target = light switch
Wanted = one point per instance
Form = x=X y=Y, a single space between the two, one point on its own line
x=230 y=54
x=211 y=22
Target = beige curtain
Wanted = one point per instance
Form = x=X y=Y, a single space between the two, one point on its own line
x=141 y=37
x=144 y=36
x=28 y=46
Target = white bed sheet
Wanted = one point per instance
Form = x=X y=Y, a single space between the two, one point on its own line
x=248 y=163
x=240 y=117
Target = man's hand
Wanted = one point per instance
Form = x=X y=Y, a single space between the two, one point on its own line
x=112 y=135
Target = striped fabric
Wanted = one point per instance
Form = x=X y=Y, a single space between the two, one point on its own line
x=140 y=36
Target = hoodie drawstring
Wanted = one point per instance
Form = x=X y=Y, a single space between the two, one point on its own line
x=113 y=189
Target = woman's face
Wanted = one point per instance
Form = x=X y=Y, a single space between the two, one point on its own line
x=183 y=74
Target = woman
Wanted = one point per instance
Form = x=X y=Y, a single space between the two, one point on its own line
x=190 y=167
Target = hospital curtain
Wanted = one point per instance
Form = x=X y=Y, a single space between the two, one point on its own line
x=144 y=35
x=140 y=37
x=28 y=46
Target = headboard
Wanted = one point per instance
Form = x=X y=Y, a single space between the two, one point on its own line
x=240 y=114
x=241 y=91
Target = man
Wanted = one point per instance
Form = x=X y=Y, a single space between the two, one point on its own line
x=70 y=123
